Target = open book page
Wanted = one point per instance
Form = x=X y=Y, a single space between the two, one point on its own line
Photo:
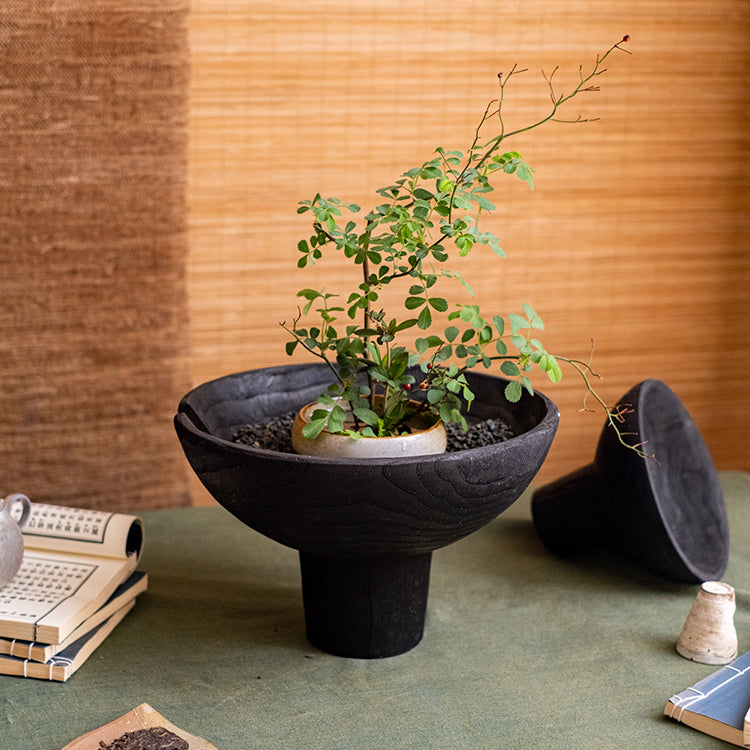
x=61 y=666
x=717 y=704
x=53 y=593
x=42 y=652
x=83 y=531
x=73 y=561
x=144 y=724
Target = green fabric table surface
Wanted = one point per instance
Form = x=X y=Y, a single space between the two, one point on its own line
x=521 y=649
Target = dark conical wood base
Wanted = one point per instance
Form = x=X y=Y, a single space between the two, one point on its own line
x=365 y=609
x=667 y=514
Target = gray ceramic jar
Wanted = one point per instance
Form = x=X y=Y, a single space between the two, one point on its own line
x=11 y=538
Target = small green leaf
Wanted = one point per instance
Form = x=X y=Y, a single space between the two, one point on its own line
x=517 y=322
x=313 y=428
x=470 y=314
x=526 y=173
x=553 y=369
x=367 y=416
x=464 y=283
x=336 y=419
x=534 y=320
x=406 y=324
x=398 y=365
x=513 y=391
x=461 y=201
x=309 y=294
x=435 y=395
x=421 y=211
x=424 y=320
x=510 y=368
x=464 y=243
x=438 y=303
x=485 y=335
x=443 y=353
x=412 y=303
x=446 y=413
x=468 y=395
x=430 y=172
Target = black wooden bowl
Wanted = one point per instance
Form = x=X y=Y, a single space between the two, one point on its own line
x=668 y=513
x=365 y=528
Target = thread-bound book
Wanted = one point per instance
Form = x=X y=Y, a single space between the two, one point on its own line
x=76 y=582
x=718 y=705
x=73 y=560
x=42 y=652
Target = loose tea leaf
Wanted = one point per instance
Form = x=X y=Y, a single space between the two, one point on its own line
x=143 y=728
x=155 y=738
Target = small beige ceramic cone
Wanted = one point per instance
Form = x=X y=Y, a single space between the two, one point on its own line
x=708 y=635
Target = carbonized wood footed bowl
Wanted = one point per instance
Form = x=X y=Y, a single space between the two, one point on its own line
x=356 y=507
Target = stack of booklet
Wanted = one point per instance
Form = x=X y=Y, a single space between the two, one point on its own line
x=77 y=581
x=719 y=704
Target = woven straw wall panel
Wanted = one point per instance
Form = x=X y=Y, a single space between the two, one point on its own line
x=635 y=235
x=93 y=247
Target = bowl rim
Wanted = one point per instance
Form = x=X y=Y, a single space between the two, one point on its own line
x=188 y=419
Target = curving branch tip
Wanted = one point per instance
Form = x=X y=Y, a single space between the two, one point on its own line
x=624 y=40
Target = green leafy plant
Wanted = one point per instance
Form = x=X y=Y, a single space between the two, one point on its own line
x=431 y=212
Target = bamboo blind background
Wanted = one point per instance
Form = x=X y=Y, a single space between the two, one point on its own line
x=93 y=246
x=635 y=236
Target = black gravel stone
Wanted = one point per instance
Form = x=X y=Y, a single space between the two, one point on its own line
x=275 y=434
x=478 y=435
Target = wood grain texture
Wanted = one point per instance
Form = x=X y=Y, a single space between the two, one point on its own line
x=93 y=247
x=356 y=507
x=634 y=237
